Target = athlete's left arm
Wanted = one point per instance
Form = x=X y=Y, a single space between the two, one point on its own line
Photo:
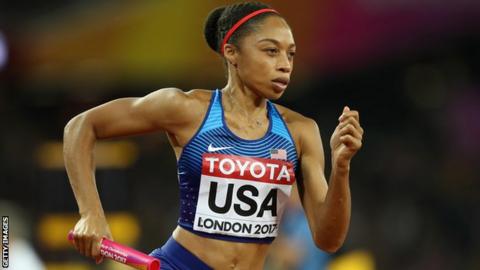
x=327 y=207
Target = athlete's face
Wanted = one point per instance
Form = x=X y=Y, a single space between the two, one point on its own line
x=265 y=58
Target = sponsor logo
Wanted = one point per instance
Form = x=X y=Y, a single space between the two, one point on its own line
x=214 y=149
x=245 y=168
x=242 y=196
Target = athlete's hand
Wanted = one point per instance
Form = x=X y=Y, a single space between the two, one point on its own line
x=88 y=233
x=346 y=140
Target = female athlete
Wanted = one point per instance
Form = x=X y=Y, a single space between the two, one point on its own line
x=238 y=153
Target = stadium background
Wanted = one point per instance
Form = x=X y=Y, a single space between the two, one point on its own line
x=410 y=67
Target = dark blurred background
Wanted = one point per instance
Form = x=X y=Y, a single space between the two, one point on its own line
x=411 y=67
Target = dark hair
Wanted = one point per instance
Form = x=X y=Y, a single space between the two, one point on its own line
x=221 y=20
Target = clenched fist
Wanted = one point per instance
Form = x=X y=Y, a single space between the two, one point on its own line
x=88 y=234
x=346 y=140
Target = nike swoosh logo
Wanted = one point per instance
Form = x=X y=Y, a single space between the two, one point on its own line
x=213 y=149
x=182 y=173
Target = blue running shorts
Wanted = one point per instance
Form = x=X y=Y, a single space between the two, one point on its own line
x=173 y=256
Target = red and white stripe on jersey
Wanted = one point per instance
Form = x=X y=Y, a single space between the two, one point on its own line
x=248 y=168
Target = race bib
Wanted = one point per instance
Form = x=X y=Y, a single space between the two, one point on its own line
x=242 y=196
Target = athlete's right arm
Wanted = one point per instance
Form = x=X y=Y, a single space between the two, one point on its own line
x=165 y=109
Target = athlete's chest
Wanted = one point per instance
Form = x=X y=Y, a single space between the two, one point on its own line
x=247 y=129
x=240 y=186
x=243 y=196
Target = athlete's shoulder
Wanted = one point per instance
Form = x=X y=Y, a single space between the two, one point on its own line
x=177 y=99
x=174 y=105
x=200 y=95
x=173 y=93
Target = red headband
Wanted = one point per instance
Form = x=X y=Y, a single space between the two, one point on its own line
x=242 y=21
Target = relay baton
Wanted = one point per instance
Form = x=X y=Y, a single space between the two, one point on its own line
x=126 y=255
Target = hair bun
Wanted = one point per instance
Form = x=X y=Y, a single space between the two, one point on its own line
x=211 y=28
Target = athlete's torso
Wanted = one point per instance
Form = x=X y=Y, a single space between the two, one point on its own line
x=232 y=188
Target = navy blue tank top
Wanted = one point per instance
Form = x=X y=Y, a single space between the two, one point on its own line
x=232 y=188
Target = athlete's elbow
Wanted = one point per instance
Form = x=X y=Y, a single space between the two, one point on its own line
x=328 y=248
x=70 y=126
x=74 y=124
x=328 y=244
x=77 y=127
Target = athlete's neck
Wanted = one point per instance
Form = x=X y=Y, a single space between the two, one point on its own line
x=244 y=102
